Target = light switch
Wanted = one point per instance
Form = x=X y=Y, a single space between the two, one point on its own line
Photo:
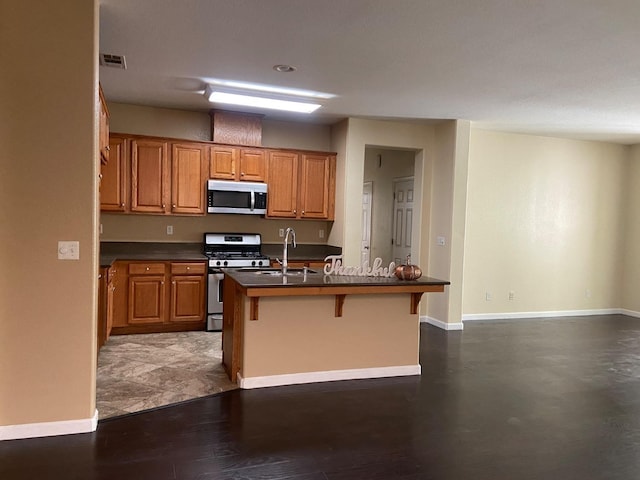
x=68 y=250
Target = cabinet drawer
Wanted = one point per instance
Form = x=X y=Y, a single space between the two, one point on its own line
x=146 y=269
x=188 y=268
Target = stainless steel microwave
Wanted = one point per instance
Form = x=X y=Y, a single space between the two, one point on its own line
x=236 y=197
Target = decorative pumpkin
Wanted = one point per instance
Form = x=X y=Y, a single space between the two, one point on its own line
x=408 y=271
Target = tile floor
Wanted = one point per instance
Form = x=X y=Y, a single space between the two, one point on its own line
x=139 y=372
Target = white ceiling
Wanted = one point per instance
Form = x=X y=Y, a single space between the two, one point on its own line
x=555 y=67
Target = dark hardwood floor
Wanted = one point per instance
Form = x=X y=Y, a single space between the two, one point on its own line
x=517 y=400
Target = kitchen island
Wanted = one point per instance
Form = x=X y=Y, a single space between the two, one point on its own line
x=309 y=327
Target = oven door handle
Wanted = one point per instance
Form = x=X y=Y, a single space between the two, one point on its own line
x=253 y=200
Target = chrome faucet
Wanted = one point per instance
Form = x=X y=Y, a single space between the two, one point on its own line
x=286 y=246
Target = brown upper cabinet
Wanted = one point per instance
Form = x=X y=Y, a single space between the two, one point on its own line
x=237 y=163
x=104 y=128
x=155 y=176
x=301 y=185
x=113 y=184
x=149 y=176
x=188 y=176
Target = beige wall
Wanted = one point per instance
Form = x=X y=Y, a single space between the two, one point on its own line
x=381 y=167
x=167 y=122
x=153 y=228
x=164 y=122
x=440 y=171
x=448 y=203
x=545 y=220
x=49 y=193
x=360 y=134
x=631 y=273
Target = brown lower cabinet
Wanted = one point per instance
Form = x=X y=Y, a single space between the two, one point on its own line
x=105 y=303
x=159 y=297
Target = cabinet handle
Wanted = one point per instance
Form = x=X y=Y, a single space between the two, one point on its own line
x=100 y=176
x=147 y=269
x=174 y=205
x=188 y=268
x=122 y=204
x=107 y=148
x=174 y=282
x=295 y=211
x=242 y=174
x=302 y=212
x=163 y=205
x=161 y=283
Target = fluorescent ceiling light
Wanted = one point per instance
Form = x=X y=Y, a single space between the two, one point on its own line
x=258 y=87
x=216 y=96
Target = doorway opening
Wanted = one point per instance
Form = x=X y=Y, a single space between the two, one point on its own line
x=389 y=232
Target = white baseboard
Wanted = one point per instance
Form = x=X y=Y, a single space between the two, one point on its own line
x=328 y=376
x=547 y=314
x=630 y=313
x=49 y=429
x=440 y=324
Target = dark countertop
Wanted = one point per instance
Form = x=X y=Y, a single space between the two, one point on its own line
x=112 y=251
x=250 y=279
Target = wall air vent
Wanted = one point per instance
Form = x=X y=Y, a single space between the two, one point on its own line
x=115 y=61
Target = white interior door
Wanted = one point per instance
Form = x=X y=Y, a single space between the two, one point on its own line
x=367 y=197
x=402 y=219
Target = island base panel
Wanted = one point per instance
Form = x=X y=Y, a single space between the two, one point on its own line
x=297 y=335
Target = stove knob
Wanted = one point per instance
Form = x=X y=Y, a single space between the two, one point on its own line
x=225 y=263
x=218 y=263
x=253 y=263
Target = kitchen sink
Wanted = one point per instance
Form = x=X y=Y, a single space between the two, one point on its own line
x=276 y=271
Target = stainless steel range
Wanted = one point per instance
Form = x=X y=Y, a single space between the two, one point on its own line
x=228 y=250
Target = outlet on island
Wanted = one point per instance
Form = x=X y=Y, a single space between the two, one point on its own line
x=169 y=229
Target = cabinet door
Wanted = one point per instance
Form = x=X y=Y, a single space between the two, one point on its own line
x=282 y=190
x=187 y=298
x=104 y=128
x=102 y=307
x=120 y=290
x=113 y=186
x=222 y=162
x=109 y=301
x=317 y=185
x=149 y=176
x=188 y=176
x=252 y=165
x=146 y=299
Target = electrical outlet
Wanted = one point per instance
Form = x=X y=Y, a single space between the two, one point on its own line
x=441 y=241
x=68 y=250
x=488 y=297
x=587 y=293
x=281 y=232
x=512 y=295
x=169 y=229
x=100 y=229
x=321 y=233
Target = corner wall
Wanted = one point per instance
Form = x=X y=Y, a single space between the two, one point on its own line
x=631 y=277
x=48 y=190
x=448 y=205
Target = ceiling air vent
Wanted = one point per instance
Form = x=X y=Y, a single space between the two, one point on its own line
x=115 y=61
